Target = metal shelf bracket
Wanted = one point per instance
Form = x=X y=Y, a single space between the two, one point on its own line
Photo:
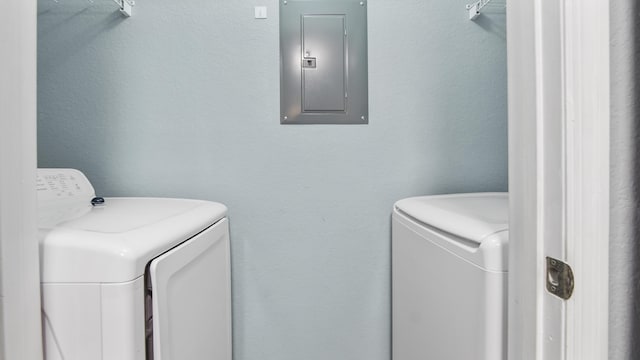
x=475 y=7
x=126 y=6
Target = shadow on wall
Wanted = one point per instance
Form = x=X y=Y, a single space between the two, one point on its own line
x=634 y=317
x=490 y=23
x=70 y=20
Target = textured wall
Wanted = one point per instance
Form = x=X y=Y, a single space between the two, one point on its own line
x=624 y=253
x=182 y=100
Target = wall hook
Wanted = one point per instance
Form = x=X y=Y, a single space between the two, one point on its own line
x=126 y=6
x=475 y=8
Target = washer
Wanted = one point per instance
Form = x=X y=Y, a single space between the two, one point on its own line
x=449 y=277
x=131 y=278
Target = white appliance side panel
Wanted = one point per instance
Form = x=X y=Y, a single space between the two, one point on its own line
x=191 y=287
x=123 y=320
x=71 y=321
x=444 y=307
x=491 y=254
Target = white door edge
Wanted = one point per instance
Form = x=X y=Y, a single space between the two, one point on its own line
x=577 y=55
x=586 y=47
x=20 y=322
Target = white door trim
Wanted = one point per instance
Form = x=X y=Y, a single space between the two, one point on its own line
x=20 y=334
x=523 y=190
x=586 y=75
x=558 y=58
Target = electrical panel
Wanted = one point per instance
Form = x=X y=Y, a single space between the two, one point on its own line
x=323 y=62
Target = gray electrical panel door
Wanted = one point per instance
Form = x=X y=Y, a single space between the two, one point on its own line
x=324 y=86
x=323 y=58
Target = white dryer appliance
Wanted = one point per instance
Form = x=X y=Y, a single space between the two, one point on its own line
x=449 y=277
x=131 y=278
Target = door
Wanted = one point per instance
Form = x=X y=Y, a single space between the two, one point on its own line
x=191 y=297
x=558 y=176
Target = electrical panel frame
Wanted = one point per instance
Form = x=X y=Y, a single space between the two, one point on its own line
x=323 y=62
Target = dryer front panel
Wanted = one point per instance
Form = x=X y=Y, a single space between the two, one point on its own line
x=191 y=298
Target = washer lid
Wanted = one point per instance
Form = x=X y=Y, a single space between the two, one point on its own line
x=473 y=216
x=114 y=242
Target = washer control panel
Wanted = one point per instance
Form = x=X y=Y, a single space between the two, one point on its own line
x=63 y=185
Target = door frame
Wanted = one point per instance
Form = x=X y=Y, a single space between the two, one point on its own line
x=585 y=49
x=558 y=59
x=20 y=329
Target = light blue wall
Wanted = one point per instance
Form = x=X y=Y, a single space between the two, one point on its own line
x=182 y=100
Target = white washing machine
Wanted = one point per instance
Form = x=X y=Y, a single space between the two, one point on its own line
x=131 y=278
x=449 y=277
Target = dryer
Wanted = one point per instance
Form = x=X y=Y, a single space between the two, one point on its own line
x=449 y=277
x=131 y=278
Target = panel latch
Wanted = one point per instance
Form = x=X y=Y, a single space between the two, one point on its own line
x=309 y=62
x=559 y=278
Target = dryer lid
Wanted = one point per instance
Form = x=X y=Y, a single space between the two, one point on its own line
x=473 y=216
x=114 y=242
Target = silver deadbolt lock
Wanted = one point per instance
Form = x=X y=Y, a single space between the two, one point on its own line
x=560 y=280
